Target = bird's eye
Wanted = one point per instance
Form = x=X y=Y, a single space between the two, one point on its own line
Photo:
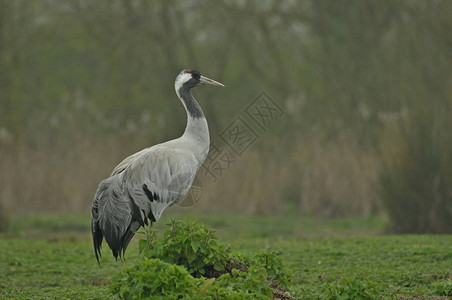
x=188 y=71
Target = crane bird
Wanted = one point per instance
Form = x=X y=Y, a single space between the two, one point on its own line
x=144 y=184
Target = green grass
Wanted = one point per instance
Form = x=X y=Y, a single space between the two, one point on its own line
x=50 y=256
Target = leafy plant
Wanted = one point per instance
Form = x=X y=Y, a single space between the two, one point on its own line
x=189 y=244
x=241 y=285
x=176 y=265
x=153 y=277
x=352 y=289
x=274 y=266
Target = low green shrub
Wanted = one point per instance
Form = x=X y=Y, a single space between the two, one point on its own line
x=153 y=277
x=352 y=289
x=189 y=244
x=274 y=266
x=187 y=262
x=252 y=284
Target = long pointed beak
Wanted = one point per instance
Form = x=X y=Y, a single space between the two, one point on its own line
x=208 y=81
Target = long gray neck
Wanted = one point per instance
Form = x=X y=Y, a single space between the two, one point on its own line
x=191 y=106
x=197 y=129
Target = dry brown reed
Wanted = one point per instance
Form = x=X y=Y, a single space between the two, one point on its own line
x=331 y=180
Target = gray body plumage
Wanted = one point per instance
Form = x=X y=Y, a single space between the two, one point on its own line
x=144 y=184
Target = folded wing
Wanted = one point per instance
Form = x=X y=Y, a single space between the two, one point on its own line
x=140 y=188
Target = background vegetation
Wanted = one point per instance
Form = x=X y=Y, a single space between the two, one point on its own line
x=365 y=89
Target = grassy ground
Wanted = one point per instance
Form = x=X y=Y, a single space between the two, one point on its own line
x=50 y=256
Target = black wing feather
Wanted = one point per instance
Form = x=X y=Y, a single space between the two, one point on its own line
x=97 y=233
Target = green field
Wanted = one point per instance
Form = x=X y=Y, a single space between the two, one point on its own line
x=50 y=256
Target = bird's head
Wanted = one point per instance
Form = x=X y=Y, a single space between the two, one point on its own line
x=189 y=78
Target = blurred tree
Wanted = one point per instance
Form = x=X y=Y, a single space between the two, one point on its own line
x=416 y=179
x=78 y=72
